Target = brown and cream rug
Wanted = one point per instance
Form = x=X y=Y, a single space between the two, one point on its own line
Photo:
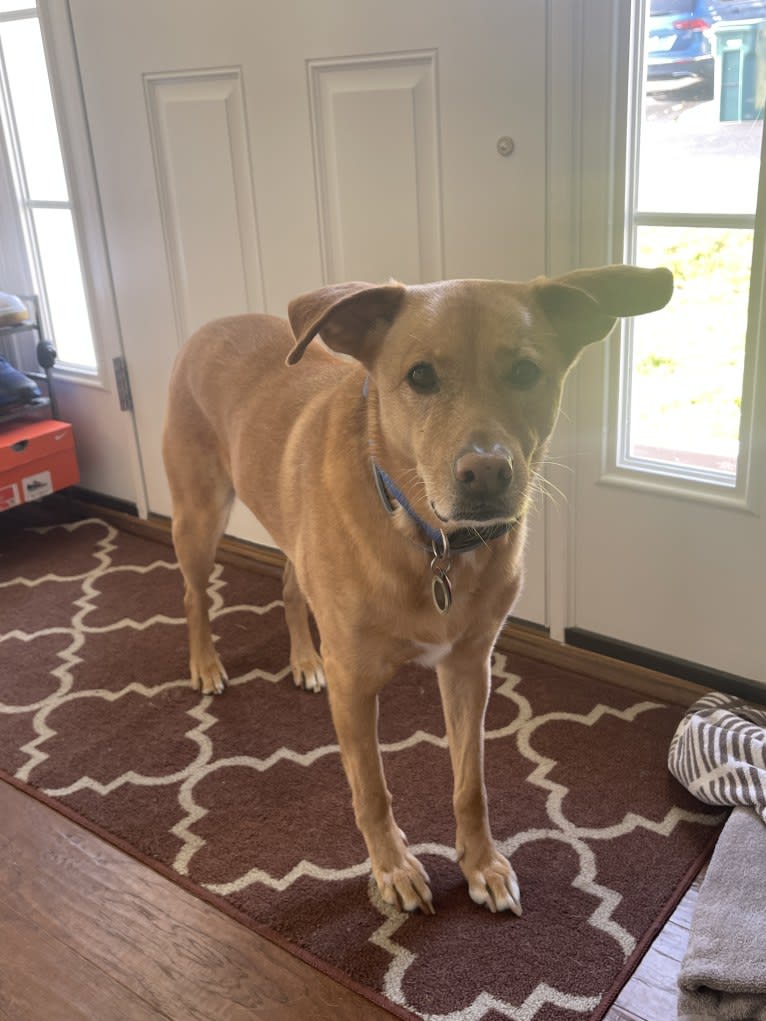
x=243 y=799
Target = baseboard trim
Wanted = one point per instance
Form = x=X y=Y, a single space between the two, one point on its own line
x=101 y=500
x=697 y=673
x=517 y=637
x=249 y=555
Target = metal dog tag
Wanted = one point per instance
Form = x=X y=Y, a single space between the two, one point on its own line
x=441 y=589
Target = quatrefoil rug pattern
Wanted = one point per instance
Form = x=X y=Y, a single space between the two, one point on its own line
x=243 y=797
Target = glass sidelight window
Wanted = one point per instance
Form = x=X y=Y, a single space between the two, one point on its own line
x=699 y=91
x=35 y=164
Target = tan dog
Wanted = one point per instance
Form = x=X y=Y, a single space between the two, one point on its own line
x=396 y=482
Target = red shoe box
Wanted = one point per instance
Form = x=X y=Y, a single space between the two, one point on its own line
x=36 y=458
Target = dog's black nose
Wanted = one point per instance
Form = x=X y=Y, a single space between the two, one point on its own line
x=484 y=473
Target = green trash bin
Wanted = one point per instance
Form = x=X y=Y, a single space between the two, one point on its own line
x=740 y=69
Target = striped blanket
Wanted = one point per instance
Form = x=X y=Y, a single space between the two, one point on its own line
x=719 y=752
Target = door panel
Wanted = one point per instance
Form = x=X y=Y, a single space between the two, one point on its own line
x=356 y=105
x=200 y=146
x=247 y=152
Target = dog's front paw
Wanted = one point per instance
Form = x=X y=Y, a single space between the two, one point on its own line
x=308 y=672
x=404 y=884
x=492 y=881
x=208 y=675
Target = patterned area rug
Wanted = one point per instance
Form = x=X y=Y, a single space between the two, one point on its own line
x=242 y=797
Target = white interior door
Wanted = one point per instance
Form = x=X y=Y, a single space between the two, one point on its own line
x=247 y=152
x=670 y=495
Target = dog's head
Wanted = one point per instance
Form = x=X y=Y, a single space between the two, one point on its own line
x=467 y=374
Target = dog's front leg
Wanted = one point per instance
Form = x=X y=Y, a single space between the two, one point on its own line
x=464 y=683
x=401 y=878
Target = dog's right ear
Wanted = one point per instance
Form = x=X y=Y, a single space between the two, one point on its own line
x=584 y=305
x=350 y=318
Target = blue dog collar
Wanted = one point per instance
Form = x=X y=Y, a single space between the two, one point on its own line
x=463 y=540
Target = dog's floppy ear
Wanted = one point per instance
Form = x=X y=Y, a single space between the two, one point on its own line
x=350 y=318
x=584 y=305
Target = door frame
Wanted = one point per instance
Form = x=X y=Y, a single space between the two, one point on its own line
x=106 y=435
x=586 y=96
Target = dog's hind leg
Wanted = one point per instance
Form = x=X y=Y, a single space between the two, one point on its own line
x=202 y=497
x=305 y=661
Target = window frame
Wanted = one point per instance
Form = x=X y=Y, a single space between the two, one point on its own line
x=19 y=259
x=619 y=467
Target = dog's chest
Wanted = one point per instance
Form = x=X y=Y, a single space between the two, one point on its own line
x=432 y=653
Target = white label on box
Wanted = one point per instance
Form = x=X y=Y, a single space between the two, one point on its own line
x=9 y=496
x=37 y=486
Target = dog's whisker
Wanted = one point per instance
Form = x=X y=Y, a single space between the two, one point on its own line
x=547 y=489
x=559 y=464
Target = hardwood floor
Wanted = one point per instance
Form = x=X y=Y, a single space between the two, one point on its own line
x=652 y=993
x=89 y=933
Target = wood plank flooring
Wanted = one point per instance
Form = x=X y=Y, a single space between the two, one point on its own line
x=652 y=993
x=89 y=934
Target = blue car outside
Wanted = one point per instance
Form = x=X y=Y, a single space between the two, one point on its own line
x=679 y=45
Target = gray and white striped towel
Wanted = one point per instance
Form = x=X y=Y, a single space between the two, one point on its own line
x=718 y=752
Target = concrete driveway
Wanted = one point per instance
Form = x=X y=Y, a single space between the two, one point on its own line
x=693 y=163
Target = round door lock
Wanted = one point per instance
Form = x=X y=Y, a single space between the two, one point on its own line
x=505 y=145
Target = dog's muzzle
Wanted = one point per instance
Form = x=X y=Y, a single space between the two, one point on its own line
x=482 y=483
x=483 y=475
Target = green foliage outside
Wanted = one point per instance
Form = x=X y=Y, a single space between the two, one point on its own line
x=688 y=359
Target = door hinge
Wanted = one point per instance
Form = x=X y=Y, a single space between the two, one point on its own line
x=123 y=384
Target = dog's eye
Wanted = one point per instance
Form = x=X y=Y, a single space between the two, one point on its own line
x=524 y=374
x=423 y=379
